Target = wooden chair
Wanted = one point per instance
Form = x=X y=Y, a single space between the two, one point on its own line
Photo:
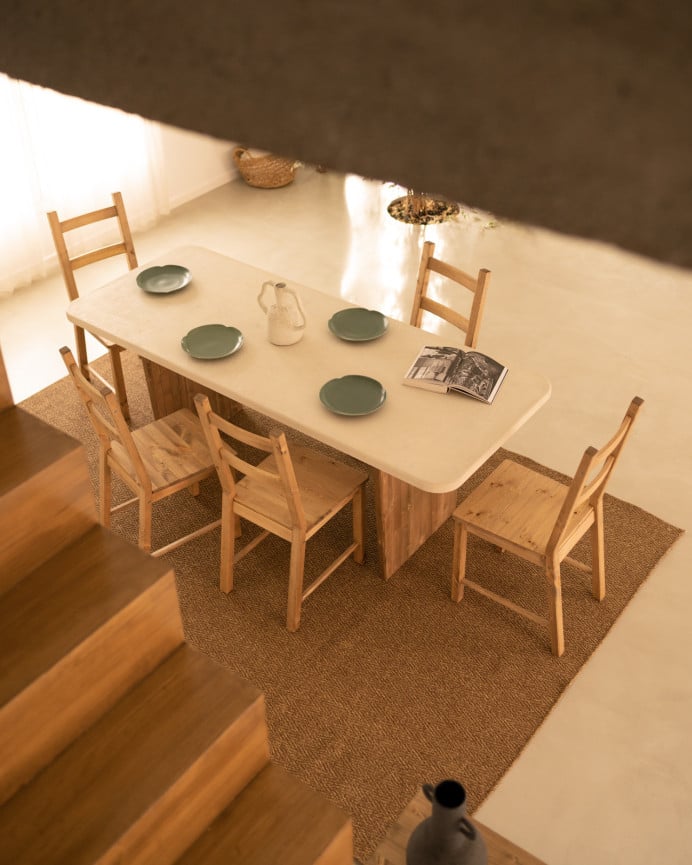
x=289 y=494
x=541 y=520
x=477 y=285
x=70 y=264
x=159 y=459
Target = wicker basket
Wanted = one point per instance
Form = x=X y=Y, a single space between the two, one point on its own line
x=265 y=172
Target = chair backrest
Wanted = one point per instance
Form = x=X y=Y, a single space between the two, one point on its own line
x=589 y=483
x=69 y=264
x=477 y=285
x=280 y=483
x=108 y=421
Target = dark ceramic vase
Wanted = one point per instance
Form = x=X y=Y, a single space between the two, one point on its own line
x=447 y=837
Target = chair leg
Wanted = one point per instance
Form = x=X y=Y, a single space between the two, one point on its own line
x=359 y=526
x=119 y=381
x=105 y=490
x=80 y=345
x=598 y=554
x=145 y=522
x=229 y=522
x=557 y=637
x=459 y=560
x=295 y=582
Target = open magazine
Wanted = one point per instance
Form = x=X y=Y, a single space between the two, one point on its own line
x=444 y=368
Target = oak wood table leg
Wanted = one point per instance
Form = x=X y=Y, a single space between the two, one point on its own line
x=406 y=517
x=169 y=391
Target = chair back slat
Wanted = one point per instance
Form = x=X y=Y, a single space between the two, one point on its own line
x=230 y=464
x=98 y=255
x=477 y=285
x=89 y=218
x=247 y=437
x=106 y=417
x=591 y=478
x=451 y=272
x=442 y=311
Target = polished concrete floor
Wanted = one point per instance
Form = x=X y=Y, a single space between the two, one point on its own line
x=608 y=776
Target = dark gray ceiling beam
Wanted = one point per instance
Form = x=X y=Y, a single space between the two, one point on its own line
x=574 y=115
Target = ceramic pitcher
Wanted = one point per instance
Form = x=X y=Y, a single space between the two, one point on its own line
x=285 y=317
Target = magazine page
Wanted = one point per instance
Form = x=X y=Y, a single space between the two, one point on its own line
x=478 y=375
x=434 y=366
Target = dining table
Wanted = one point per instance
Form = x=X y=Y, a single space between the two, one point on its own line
x=340 y=387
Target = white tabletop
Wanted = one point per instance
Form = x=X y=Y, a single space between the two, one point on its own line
x=433 y=441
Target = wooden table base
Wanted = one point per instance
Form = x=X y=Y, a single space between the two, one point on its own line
x=406 y=518
x=169 y=391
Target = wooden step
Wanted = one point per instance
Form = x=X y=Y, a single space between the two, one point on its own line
x=75 y=634
x=276 y=819
x=46 y=499
x=144 y=782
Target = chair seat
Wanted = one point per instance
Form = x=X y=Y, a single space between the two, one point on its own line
x=516 y=504
x=324 y=485
x=172 y=449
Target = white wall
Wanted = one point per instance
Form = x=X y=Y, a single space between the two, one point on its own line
x=194 y=163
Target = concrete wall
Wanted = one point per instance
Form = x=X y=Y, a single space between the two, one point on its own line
x=194 y=163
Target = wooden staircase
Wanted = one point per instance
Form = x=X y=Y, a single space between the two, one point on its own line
x=120 y=743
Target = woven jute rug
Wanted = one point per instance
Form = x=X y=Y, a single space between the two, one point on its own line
x=387 y=685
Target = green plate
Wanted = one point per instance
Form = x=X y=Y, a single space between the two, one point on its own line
x=164 y=279
x=357 y=324
x=211 y=341
x=352 y=395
